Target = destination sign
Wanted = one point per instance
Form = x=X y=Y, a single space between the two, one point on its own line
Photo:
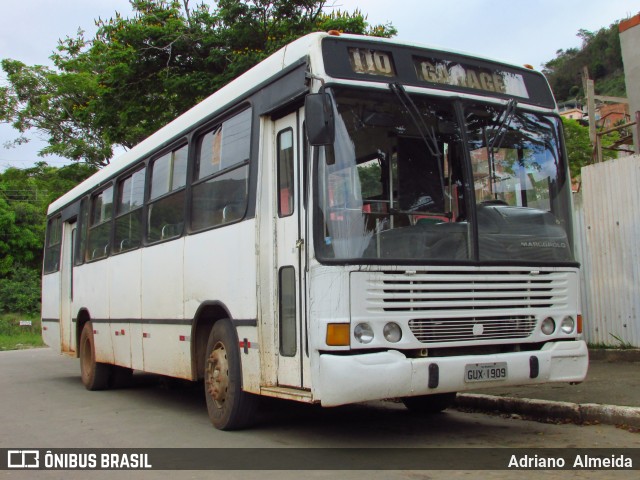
x=371 y=62
x=457 y=74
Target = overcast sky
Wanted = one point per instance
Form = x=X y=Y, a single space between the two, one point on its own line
x=515 y=31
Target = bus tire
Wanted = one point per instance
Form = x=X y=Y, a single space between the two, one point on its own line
x=229 y=407
x=429 y=404
x=95 y=375
x=121 y=377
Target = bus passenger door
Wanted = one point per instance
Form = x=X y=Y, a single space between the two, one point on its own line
x=289 y=250
x=67 y=342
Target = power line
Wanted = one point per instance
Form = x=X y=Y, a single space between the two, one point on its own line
x=34 y=161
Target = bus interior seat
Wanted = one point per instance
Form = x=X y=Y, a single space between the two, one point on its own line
x=171 y=230
x=232 y=212
x=129 y=244
x=100 y=252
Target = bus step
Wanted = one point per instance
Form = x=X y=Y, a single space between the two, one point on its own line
x=288 y=393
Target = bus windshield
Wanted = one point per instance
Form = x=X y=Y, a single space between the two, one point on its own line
x=419 y=179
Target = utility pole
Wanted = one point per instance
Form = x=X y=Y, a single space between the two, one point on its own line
x=590 y=93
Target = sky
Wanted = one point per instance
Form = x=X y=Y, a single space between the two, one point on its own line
x=515 y=31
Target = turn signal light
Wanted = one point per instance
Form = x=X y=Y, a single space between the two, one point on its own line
x=338 y=334
x=579 y=323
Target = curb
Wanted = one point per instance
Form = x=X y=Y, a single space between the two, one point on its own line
x=615 y=354
x=545 y=409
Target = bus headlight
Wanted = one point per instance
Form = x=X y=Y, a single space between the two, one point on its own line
x=567 y=324
x=363 y=333
x=392 y=332
x=548 y=326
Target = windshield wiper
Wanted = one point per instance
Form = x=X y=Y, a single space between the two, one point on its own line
x=501 y=129
x=499 y=133
x=427 y=135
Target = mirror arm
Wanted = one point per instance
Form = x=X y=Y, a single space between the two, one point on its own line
x=311 y=76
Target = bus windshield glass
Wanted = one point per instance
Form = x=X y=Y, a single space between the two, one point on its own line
x=419 y=179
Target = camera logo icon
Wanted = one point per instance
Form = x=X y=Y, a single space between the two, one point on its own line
x=23 y=459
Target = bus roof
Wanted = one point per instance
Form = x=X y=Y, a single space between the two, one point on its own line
x=226 y=96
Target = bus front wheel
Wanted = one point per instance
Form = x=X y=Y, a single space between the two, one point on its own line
x=429 y=404
x=229 y=407
x=95 y=375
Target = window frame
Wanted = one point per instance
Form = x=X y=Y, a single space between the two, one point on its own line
x=54 y=224
x=287 y=312
x=196 y=182
x=93 y=227
x=151 y=201
x=280 y=177
x=139 y=209
x=83 y=231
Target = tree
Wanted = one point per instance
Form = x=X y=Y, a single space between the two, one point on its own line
x=24 y=196
x=579 y=149
x=601 y=53
x=139 y=73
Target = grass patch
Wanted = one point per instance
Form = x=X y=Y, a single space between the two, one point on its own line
x=14 y=336
x=621 y=345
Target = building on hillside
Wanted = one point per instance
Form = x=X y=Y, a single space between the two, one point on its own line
x=630 y=45
x=572 y=110
x=609 y=115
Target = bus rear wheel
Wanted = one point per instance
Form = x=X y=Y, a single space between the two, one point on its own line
x=229 y=407
x=95 y=375
x=429 y=404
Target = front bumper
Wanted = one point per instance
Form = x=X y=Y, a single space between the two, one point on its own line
x=356 y=378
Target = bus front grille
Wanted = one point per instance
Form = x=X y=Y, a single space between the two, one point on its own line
x=463 y=305
x=464 y=291
x=430 y=330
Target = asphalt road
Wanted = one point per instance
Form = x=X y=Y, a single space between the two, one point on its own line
x=43 y=404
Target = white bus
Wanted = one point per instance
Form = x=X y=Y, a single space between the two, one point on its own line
x=352 y=219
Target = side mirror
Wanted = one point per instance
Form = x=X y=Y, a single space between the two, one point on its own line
x=319 y=119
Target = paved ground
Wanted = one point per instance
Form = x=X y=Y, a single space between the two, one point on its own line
x=608 y=383
x=44 y=405
x=610 y=394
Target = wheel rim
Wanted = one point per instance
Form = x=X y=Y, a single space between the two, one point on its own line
x=218 y=375
x=86 y=354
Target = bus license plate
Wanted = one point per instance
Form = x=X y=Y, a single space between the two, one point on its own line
x=485 y=372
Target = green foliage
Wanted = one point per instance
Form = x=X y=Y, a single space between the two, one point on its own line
x=139 y=73
x=24 y=196
x=579 y=149
x=20 y=291
x=621 y=343
x=14 y=336
x=601 y=53
x=613 y=86
x=370 y=178
x=354 y=22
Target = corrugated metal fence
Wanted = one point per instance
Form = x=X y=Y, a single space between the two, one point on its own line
x=607 y=236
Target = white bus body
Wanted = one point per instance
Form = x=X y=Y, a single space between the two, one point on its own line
x=227 y=248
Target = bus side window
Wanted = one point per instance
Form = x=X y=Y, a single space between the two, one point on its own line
x=54 y=241
x=81 y=244
x=221 y=174
x=285 y=173
x=100 y=225
x=166 y=208
x=128 y=235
